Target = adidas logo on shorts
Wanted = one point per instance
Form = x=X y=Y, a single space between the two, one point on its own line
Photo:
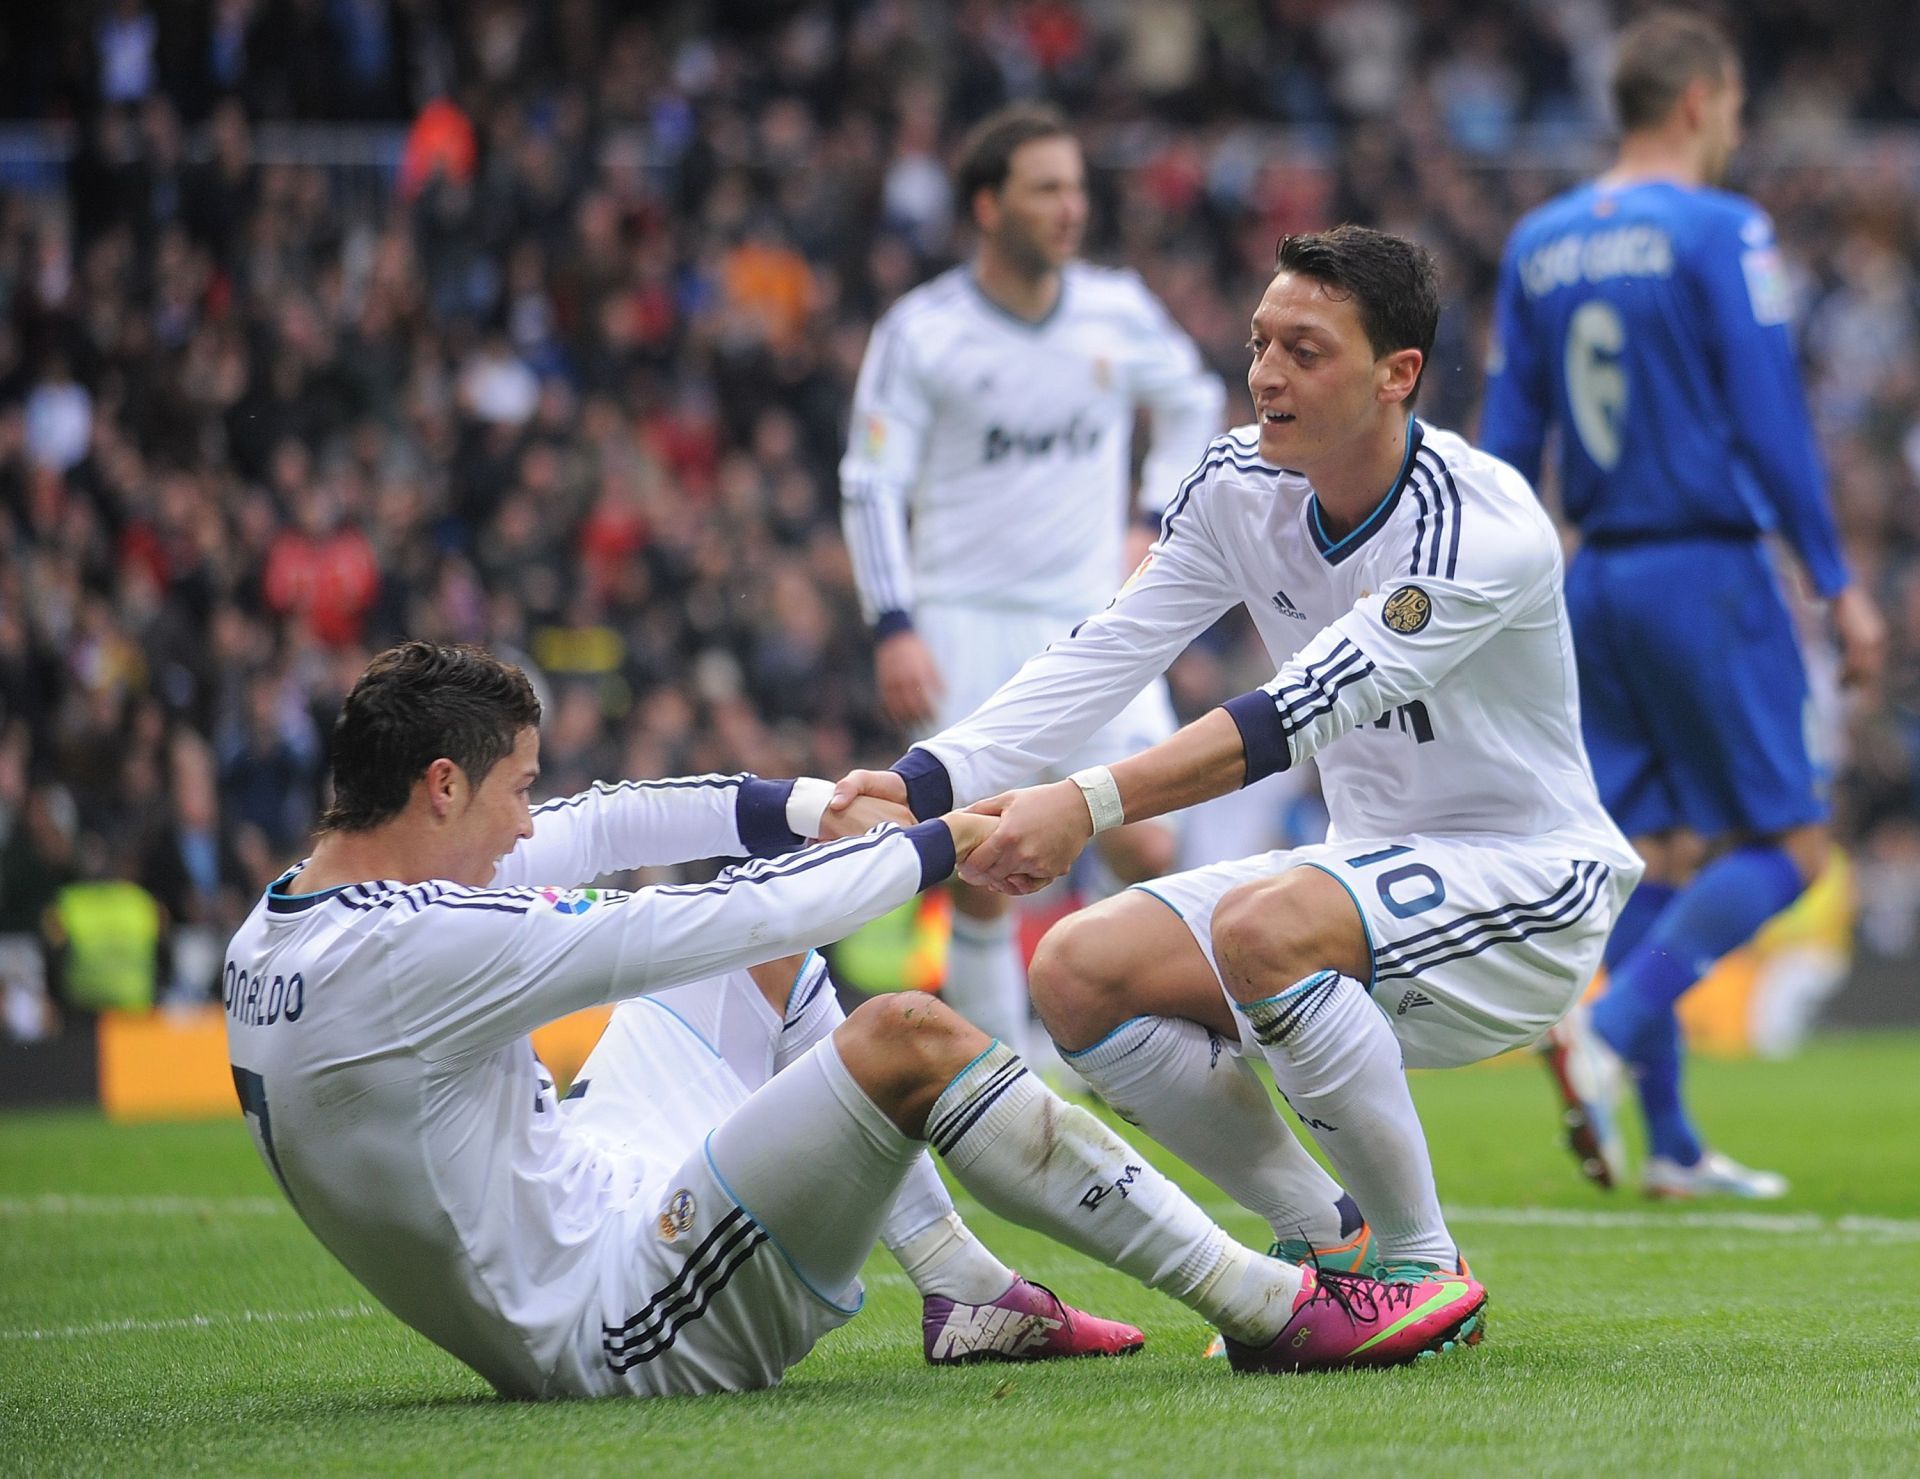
x=1411 y=1000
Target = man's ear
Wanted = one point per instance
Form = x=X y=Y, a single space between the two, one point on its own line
x=1693 y=101
x=1400 y=372
x=445 y=785
x=984 y=208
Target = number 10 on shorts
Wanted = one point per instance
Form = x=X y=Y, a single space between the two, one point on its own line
x=1410 y=889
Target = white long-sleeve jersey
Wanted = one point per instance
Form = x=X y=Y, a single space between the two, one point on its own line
x=378 y=1034
x=1424 y=659
x=1008 y=443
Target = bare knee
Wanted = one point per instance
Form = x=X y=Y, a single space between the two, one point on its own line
x=904 y=1049
x=1810 y=848
x=1672 y=857
x=1275 y=931
x=1078 y=981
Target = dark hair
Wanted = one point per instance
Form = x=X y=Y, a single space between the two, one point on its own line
x=415 y=704
x=986 y=154
x=1658 y=56
x=1390 y=279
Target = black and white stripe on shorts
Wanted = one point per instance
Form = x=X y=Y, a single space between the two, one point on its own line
x=1507 y=924
x=652 y=1330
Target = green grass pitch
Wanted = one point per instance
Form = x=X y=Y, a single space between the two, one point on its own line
x=161 y=1311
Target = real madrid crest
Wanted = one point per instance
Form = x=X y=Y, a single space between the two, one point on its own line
x=677 y=1216
x=1408 y=610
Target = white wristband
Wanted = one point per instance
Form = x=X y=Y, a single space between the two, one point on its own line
x=1096 y=783
x=807 y=806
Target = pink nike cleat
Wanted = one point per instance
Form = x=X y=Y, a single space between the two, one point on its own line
x=1343 y=1320
x=1027 y=1323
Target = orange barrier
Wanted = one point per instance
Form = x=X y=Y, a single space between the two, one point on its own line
x=563 y=1046
x=172 y=1065
x=165 y=1065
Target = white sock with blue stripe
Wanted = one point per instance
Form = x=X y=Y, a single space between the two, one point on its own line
x=1337 y=1062
x=1186 y=1088
x=936 y=1249
x=1048 y=1165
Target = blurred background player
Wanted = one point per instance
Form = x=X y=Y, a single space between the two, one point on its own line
x=1645 y=314
x=985 y=483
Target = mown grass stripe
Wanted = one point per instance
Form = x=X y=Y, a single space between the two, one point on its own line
x=195 y=1322
x=56 y=1204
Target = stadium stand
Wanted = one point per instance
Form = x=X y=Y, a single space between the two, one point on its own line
x=324 y=321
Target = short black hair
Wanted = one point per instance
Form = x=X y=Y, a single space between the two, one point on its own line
x=1659 y=56
x=1391 y=280
x=416 y=703
x=986 y=154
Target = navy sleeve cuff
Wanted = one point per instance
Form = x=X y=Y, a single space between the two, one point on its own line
x=934 y=843
x=1261 y=734
x=891 y=624
x=760 y=812
x=929 y=787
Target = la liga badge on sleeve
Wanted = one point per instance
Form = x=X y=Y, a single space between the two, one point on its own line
x=1408 y=610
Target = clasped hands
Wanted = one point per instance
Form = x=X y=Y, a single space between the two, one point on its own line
x=1013 y=843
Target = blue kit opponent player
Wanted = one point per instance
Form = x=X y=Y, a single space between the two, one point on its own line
x=1646 y=315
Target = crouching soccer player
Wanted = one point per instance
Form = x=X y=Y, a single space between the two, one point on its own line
x=1407 y=588
x=640 y=1239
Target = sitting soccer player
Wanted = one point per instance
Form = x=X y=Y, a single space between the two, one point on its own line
x=665 y=1231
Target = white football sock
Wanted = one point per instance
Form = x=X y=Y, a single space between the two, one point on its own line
x=1183 y=1086
x=1338 y=1063
x=935 y=1248
x=1048 y=1165
x=986 y=982
x=945 y=1258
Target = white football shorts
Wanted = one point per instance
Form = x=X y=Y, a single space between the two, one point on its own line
x=1478 y=946
x=719 y=1198
x=979 y=647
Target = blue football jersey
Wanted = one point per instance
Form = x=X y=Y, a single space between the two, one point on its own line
x=1651 y=323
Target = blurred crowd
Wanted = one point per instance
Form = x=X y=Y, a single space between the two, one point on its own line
x=565 y=369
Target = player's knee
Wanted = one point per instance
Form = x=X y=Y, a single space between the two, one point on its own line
x=919 y=1035
x=1810 y=849
x=903 y=1050
x=1078 y=980
x=1274 y=931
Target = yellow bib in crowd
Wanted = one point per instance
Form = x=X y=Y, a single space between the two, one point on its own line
x=113 y=934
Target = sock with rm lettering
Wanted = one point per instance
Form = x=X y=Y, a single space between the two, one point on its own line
x=1184 y=1086
x=1048 y=1165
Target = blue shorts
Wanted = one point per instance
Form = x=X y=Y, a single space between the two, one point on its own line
x=1693 y=695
